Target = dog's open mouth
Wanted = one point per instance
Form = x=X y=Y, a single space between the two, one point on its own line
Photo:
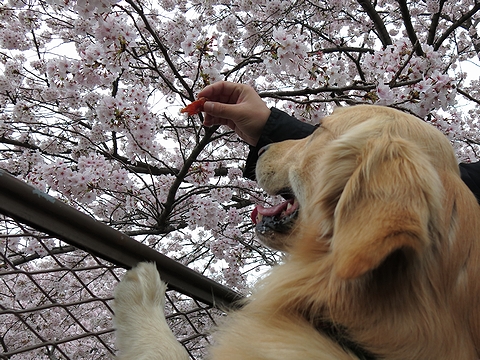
x=279 y=218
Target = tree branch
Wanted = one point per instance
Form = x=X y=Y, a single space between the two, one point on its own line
x=377 y=21
x=316 y=91
x=399 y=72
x=54 y=251
x=170 y=201
x=468 y=96
x=456 y=25
x=144 y=168
x=407 y=21
x=162 y=48
x=433 y=26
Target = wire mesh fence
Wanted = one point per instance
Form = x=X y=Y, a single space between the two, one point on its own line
x=56 y=299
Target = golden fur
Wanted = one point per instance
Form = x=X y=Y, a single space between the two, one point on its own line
x=386 y=246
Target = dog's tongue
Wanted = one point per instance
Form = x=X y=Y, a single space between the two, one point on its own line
x=275 y=210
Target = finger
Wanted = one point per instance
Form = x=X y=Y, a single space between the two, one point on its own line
x=222 y=91
x=224 y=111
x=210 y=121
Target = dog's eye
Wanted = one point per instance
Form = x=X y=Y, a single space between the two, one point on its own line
x=318 y=127
x=318 y=130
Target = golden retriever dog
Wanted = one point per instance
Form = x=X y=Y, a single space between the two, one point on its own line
x=383 y=253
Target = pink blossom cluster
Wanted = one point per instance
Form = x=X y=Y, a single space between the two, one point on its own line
x=290 y=51
x=205 y=213
x=223 y=195
x=128 y=114
x=88 y=7
x=229 y=251
x=189 y=44
x=201 y=173
x=13 y=74
x=83 y=182
x=13 y=30
x=427 y=88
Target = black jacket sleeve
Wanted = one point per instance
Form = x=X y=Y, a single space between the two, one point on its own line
x=471 y=177
x=279 y=126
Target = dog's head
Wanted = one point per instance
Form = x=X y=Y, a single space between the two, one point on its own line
x=366 y=183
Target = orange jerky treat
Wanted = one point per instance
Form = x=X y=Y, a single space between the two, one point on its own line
x=195 y=107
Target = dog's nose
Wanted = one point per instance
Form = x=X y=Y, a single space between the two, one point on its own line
x=263 y=149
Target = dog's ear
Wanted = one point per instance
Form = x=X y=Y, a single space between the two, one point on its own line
x=390 y=202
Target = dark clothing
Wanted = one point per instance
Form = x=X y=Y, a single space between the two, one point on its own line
x=281 y=126
x=471 y=177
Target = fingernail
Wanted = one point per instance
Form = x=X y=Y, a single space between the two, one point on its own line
x=208 y=106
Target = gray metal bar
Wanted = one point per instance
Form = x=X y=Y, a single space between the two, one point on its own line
x=41 y=211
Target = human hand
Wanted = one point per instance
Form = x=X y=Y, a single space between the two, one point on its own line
x=238 y=106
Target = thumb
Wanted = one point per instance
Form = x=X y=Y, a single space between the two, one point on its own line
x=221 y=110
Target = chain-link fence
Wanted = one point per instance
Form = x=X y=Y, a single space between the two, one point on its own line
x=56 y=299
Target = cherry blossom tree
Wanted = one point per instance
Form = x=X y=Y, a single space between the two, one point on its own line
x=90 y=93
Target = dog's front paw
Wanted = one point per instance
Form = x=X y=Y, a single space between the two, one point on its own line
x=141 y=286
x=141 y=329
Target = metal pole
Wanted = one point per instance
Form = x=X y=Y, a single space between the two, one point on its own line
x=43 y=212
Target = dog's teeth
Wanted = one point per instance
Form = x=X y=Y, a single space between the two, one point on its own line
x=259 y=218
x=291 y=207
